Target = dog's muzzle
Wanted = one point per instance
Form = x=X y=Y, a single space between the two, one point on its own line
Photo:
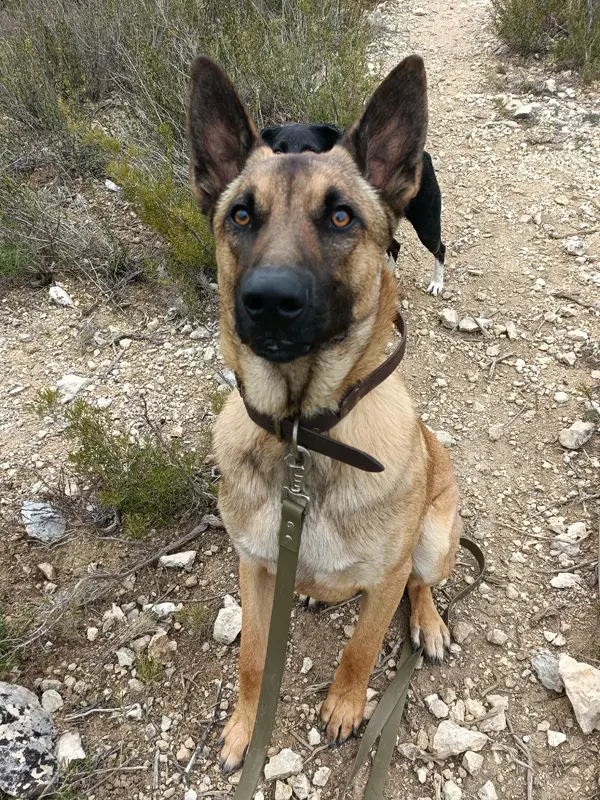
x=277 y=313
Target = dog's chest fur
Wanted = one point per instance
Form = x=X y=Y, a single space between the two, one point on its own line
x=353 y=531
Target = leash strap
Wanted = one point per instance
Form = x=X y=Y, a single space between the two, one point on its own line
x=388 y=714
x=290 y=533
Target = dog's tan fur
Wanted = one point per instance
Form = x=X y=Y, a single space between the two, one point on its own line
x=375 y=533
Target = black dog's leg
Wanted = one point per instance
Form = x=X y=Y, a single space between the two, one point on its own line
x=424 y=212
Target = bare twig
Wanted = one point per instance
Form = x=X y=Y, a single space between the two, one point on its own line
x=527 y=753
x=202 y=740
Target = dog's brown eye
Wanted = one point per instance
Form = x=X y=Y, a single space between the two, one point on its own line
x=241 y=217
x=341 y=218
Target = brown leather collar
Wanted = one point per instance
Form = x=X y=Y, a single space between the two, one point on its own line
x=311 y=429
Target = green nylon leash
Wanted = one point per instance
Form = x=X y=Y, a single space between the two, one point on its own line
x=387 y=716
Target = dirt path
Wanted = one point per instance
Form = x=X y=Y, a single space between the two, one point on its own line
x=510 y=187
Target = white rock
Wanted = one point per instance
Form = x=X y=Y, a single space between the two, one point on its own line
x=42 y=521
x=511 y=330
x=578 y=335
x=419 y=12
x=47 y=571
x=567 y=358
x=134 y=712
x=577 y=435
x=468 y=325
x=184 y=560
x=582 y=683
x=284 y=764
x=472 y=762
x=561 y=397
x=228 y=623
x=449 y=318
x=574 y=246
x=523 y=112
x=487 y=792
x=69 y=748
x=70 y=385
x=444 y=437
x=306 y=667
x=111 y=186
x=436 y=706
x=52 y=701
x=495 y=431
x=461 y=631
x=112 y=617
x=556 y=738
x=314 y=737
x=301 y=786
x=60 y=298
x=191 y=794
x=497 y=637
x=92 y=634
x=545 y=665
x=160 y=648
x=164 y=610
x=565 y=580
x=496 y=723
x=125 y=657
x=451 y=740
x=321 y=776
x=282 y=791
x=451 y=791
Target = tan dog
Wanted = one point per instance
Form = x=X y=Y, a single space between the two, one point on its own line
x=307 y=309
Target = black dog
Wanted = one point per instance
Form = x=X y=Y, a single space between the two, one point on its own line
x=423 y=211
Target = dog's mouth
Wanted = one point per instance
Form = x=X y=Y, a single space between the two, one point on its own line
x=279 y=351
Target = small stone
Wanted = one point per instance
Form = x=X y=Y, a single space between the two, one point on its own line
x=43 y=522
x=160 y=648
x=487 y=792
x=497 y=637
x=284 y=764
x=314 y=737
x=306 y=667
x=134 y=712
x=191 y=794
x=577 y=435
x=69 y=748
x=47 y=571
x=282 y=791
x=496 y=723
x=567 y=358
x=555 y=738
x=565 y=580
x=436 y=706
x=52 y=701
x=228 y=623
x=321 y=776
x=582 y=683
x=512 y=592
x=545 y=665
x=468 y=325
x=164 y=610
x=60 y=298
x=495 y=431
x=183 y=754
x=70 y=385
x=449 y=318
x=184 y=560
x=448 y=696
x=451 y=791
x=112 y=617
x=444 y=437
x=511 y=330
x=561 y=397
x=92 y=634
x=574 y=246
x=461 y=631
x=125 y=657
x=472 y=762
x=523 y=112
x=419 y=12
x=451 y=740
x=301 y=786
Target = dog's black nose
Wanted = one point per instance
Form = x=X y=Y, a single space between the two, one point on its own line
x=275 y=296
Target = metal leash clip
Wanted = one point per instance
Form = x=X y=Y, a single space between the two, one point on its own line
x=298 y=463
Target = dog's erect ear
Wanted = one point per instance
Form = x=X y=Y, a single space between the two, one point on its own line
x=268 y=135
x=220 y=132
x=329 y=135
x=387 y=142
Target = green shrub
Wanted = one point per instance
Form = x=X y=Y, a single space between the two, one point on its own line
x=570 y=29
x=150 y=480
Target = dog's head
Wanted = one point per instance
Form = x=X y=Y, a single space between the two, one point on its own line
x=296 y=138
x=301 y=238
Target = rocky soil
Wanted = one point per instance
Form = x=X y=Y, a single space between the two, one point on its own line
x=505 y=366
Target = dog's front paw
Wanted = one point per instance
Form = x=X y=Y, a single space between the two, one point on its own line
x=235 y=740
x=427 y=629
x=342 y=712
x=435 y=288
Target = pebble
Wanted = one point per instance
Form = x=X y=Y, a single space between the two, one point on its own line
x=451 y=739
x=52 y=701
x=282 y=791
x=546 y=668
x=284 y=764
x=497 y=637
x=461 y=631
x=511 y=330
x=60 y=298
x=565 y=580
x=69 y=748
x=43 y=522
x=184 y=560
x=228 y=623
x=191 y=794
x=523 y=112
x=449 y=318
x=47 y=571
x=495 y=431
x=70 y=385
x=487 y=792
x=556 y=738
x=472 y=762
x=164 y=610
x=582 y=684
x=301 y=786
x=92 y=634
x=436 y=706
x=306 y=667
x=468 y=325
x=125 y=657
x=451 y=791
x=321 y=776
x=577 y=435
x=314 y=737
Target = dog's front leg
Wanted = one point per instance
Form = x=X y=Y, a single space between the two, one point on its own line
x=257 y=587
x=342 y=711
